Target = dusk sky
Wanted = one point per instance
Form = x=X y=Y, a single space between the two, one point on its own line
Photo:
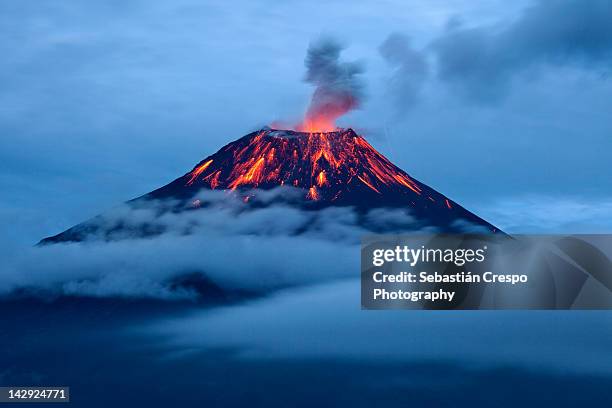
x=488 y=102
x=255 y=298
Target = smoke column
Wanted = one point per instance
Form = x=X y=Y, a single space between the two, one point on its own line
x=338 y=89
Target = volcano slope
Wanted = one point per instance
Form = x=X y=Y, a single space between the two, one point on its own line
x=308 y=171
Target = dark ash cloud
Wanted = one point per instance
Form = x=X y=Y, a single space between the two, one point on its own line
x=481 y=62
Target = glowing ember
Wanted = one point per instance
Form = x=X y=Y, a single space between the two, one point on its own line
x=252 y=175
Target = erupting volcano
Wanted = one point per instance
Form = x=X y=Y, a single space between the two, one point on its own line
x=326 y=166
x=338 y=168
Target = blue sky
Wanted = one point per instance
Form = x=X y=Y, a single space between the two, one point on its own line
x=503 y=107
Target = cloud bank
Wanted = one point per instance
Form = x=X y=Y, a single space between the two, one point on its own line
x=146 y=250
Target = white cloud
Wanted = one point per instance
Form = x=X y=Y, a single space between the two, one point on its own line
x=325 y=321
x=236 y=249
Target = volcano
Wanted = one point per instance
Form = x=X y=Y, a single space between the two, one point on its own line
x=326 y=169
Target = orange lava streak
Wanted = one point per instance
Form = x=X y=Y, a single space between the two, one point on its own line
x=198 y=171
x=367 y=183
x=271 y=154
x=407 y=182
x=317 y=162
x=448 y=204
x=363 y=143
x=214 y=182
x=321 y=143
x=321 y=179
x=313 y=193
x=254 y=174
x=254 y=142
x=380 y=173
x=385 y=173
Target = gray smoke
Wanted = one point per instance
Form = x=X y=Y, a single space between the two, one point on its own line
x=338 y=88
x=410 y=69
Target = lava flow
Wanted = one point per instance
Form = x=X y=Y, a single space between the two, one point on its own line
x=325 y=164
x=317 y=170
x=338 y=168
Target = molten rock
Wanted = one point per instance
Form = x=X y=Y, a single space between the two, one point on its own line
x=327 y=169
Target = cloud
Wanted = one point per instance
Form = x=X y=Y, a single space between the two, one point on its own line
x=481 y=62
x=410 y=69
x=147 y=249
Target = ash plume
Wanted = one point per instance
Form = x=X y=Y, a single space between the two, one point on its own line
x=338 y=88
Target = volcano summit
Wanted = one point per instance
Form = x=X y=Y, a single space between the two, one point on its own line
x=321 y=169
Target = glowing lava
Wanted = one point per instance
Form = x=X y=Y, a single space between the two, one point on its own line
x=327 y=165
x=198 y=170
x=321 y=179
x=316 y=170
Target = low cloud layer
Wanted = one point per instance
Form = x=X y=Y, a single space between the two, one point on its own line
x=153 y=246
x=283 y=327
